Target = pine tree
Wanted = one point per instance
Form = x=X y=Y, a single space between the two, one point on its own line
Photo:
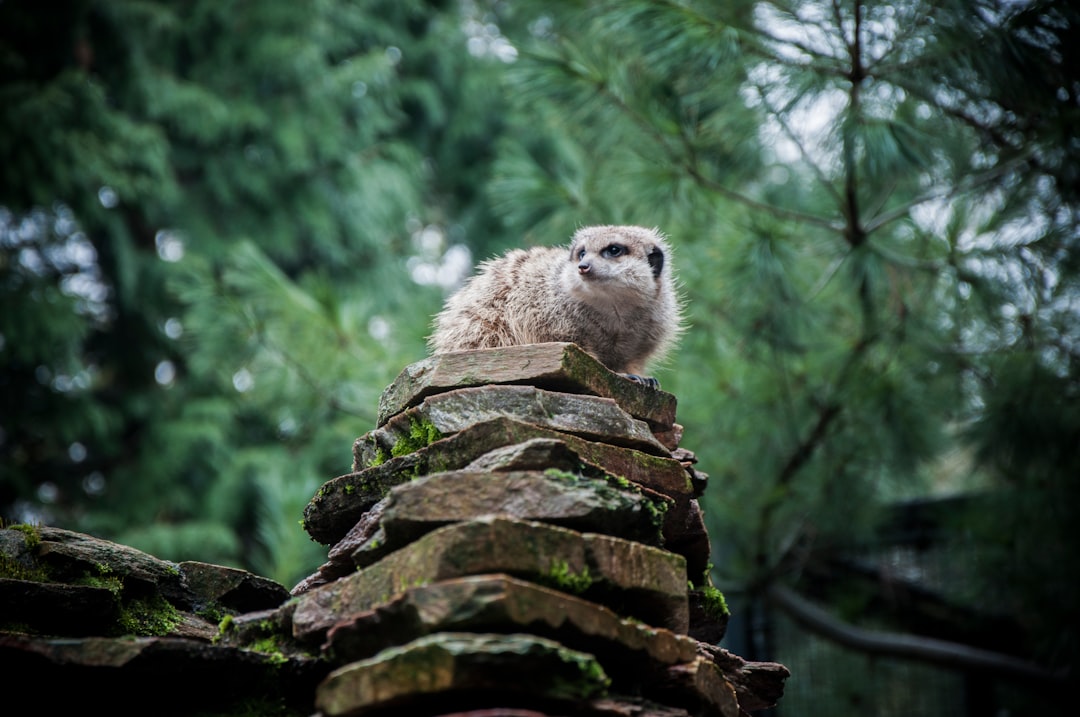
x=873 y=207
x=211 y=213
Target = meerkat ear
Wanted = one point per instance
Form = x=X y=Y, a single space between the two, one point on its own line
x=656 y=261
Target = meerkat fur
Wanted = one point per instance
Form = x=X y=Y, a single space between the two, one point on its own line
x=611 y=291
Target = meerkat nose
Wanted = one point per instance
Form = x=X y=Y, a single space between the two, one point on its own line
x=584 y=267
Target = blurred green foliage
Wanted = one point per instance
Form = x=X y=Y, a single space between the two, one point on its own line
x=224 y=228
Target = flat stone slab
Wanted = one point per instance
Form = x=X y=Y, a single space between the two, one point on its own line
x=559 y=367
x=557 y=496
x=701 y=687
x=591 y=505
x=758 y=685
x=500 y=603
x=76 y=584
x=590 y=417
x=647 y=583
x=446 y=663
x=110 y=675
x=342 y=501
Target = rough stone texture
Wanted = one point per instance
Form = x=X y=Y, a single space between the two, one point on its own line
x=500 y=603
x=591 y=417
x=758 y=685
x=140 y=675
x=83 y=585
x=649 y=584
x=237 y=590
x=554 y=366
x=57 y=608
x=592 y=505
x=513 y=563
x=342 y=501
x=700 y=687
x=554 y=496
x=451 y=662
x=69 y=556
x=630 y=707
x=531 y=455
x=706 y=624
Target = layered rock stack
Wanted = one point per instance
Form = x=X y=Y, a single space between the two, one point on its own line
x=520 y=533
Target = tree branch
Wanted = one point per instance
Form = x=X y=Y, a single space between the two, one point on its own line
x=924 y=649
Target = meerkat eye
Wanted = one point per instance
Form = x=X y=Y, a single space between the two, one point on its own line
x=613 y=250
x=581 y=254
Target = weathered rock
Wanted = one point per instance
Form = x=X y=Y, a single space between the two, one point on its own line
x=685 y=533
x=758 y=685
x=82 y=586
x=554 y=366
x=583 y=504
x=701 y=688
x=342 y=501
x=69 y=556
x=236 y=590
x=633 y=707
x=647 y=583
x=535 y=454
x=121 y=676
x=445 y=663
x=591 y=417
x=708 y=614
x=599 y=505
x=56 y=608
x=500 y=603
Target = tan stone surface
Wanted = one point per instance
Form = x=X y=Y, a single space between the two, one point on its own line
x=488 y=603
x=651 y=583
x=447 y=662
x=591 y=417
x=554 y=366
x=342 y=501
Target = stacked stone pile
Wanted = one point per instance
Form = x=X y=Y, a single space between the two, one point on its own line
x=88 y=626
x=521 y=531
x=519 y=535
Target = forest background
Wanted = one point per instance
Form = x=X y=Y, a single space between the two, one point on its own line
x=225 y=226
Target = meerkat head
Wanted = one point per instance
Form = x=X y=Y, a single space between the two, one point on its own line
x=614 y=265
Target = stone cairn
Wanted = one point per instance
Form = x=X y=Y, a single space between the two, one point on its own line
x=520 y=535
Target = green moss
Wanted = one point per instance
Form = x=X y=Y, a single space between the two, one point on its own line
x=16 y=570
x=562 y=475
x=381 y=456
x=31 y=533
x=593 y=681
x=349 y=489
x=270 y=646
x=715 y=604
x=149 y=616
x=212 y=612
x=27 y=569
x=422 y=433
x=227 y=625
x=560 y=577
x=657 y=510
x=112 y=583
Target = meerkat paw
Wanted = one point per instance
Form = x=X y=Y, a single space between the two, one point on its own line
x=645 y=380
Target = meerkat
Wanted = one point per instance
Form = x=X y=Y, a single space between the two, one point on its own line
x=611 y=292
